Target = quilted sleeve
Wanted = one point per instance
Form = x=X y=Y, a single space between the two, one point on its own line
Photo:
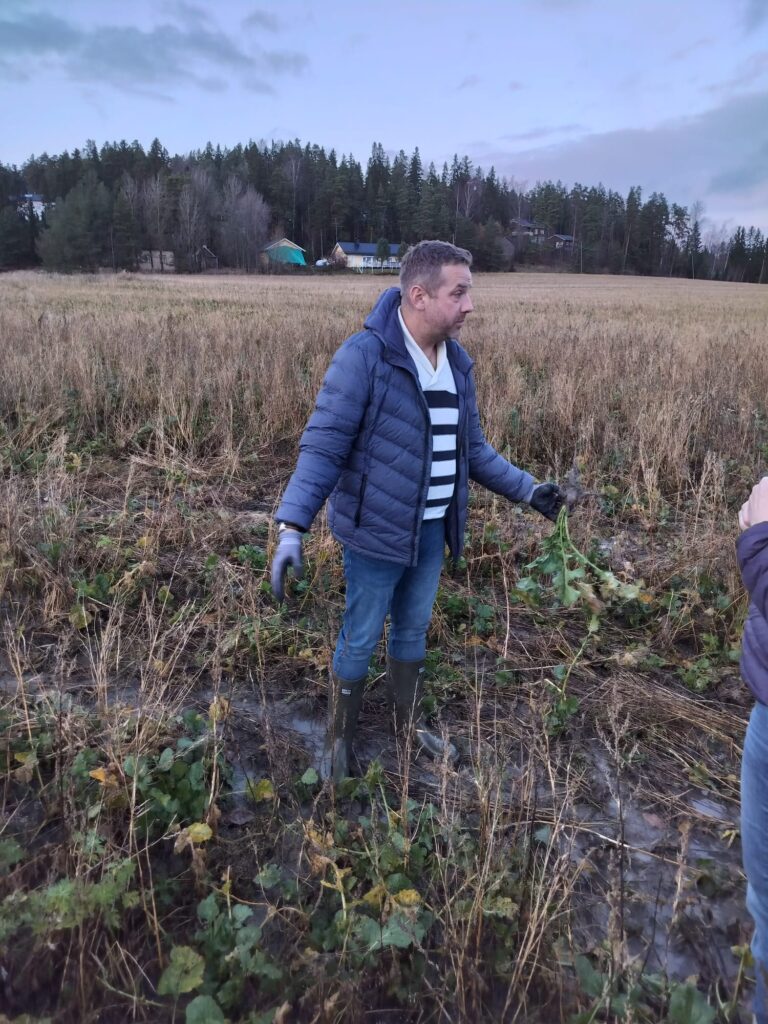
x=329 y=435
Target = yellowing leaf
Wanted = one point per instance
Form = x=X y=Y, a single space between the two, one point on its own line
x=263 y=790
x=106 y=778
x=325 y=842
x=183 y=974
x=28 y=763
x=219 y=709
x=375 y=896
x=502 y=906
x=80 y=617
x=408 y=898
x=199 y=832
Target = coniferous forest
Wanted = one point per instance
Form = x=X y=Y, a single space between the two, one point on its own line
x=100 y=208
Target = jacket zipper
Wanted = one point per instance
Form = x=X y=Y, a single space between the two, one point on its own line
x=363 y=485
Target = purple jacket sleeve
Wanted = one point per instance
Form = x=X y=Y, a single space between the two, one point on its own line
x=752 y=551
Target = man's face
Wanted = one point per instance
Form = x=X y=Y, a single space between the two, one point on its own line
x=448 y=306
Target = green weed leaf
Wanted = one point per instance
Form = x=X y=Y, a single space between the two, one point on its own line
x=165 y=761
x=688 y=1006
x=269 y=877
x=204 y=1010
x=183 y=974
x=591 y=981
x=10 y=853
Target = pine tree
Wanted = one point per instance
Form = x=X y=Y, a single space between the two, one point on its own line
x=79 y=236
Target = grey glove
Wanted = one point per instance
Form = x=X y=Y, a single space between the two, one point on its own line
x=547 y=499
x=288 y=553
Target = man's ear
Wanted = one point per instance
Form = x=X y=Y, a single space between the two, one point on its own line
x=417 y=295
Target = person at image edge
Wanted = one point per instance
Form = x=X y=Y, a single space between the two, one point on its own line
x=752 y=550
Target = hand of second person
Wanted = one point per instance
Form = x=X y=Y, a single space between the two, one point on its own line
x=755 y=508
x=548 y=499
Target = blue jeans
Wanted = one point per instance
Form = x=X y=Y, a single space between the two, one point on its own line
x=375 y=588
x=754 y=844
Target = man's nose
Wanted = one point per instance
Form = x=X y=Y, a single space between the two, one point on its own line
x=467 y=305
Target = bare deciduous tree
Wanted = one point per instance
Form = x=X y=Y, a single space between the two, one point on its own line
x=154 y=201
x=244 y=224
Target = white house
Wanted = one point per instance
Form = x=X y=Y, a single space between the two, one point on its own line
x=362 y=256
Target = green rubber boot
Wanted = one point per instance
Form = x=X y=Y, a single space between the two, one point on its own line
x=344 y=700
x=405 y=683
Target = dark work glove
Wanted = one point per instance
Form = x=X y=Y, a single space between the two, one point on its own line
x=288 y=553
x=547 y=499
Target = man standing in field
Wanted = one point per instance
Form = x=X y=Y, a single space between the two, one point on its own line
x=394 y=440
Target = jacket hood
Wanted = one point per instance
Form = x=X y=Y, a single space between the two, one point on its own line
x=384 y=321
x=383 y=316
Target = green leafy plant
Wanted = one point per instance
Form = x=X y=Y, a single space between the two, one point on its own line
x=230 y=942
x=250 y=555
x=69 y=903
x=647 y=997
x=571 y=575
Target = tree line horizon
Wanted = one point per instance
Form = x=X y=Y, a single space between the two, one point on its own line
x=105 y=206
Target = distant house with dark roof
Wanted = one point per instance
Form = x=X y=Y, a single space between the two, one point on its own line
x=534 y=231
x=561 y=241
x=284 y=253
x=205 y=259
x=362 y=256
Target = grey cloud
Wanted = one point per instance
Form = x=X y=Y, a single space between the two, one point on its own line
x=284 y=61
x=686 y=51
x=745 y=176
x=258 y=85
x=212 y=84
x=38 y=34
x=754 y=69
x=13 y=72
x=133 y=59
x=718 y=156
x=469 y=82
x=187 y=12
x=755 y=13
x=262 y=19
x=543 y=132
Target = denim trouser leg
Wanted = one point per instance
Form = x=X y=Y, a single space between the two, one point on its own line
x=754 y=841
x=414 y=596
x=374 y=588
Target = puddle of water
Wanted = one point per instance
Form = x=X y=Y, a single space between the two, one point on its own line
x=709 y=808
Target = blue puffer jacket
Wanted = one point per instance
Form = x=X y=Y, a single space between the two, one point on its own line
x=752 y=550
x=368 y=445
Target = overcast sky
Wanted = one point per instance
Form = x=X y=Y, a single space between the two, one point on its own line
x=666 y=94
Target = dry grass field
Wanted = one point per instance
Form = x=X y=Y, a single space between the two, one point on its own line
x=166 y=850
